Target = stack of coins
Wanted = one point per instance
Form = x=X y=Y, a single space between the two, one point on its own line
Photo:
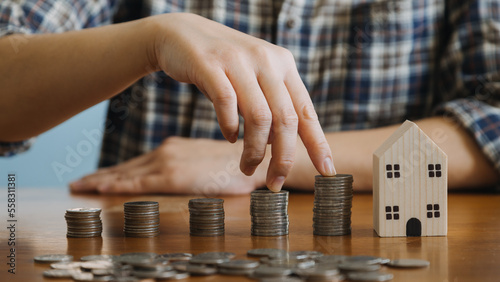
x=332 y=205
x=269 y=213
x=142 y=219
x=206 y=217
x=83 y=222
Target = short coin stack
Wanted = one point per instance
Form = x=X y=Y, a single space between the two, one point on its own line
x=269 y=211
x=142 y=219
x=83 y=222
x=206 y=217
x=332 y=205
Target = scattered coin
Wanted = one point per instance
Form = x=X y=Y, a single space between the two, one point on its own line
x=240 y=264
x=177 y=256
x=200 y=269
x=212 y=258
x=408 y=263
x=142 y=219
x=358 y=266
x=370 y=276
x=52 y=258
x=99 y=257
x=66 y=265
x=135 y=258
x=59 y=273
x=267 y=253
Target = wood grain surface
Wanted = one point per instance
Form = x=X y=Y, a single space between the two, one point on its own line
x=470 y=252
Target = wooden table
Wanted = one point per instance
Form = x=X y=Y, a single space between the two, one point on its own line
x=470 y=252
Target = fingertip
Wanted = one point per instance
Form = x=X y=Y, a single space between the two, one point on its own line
x=276 y=184
x=77 y=186
x=328 y=167
x=248 y=170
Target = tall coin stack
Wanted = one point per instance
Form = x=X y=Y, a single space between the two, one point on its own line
x=83 y=222
x=269 y=211
x=332 y=205
x=206 y=217
x=142 y=219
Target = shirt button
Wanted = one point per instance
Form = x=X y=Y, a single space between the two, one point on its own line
x=291 y=23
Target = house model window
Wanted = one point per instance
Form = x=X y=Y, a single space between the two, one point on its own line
x=390 y=172
x=434 y=170
x=392 y=212
x=431 y=208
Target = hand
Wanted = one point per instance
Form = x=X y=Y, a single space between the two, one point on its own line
x=177 y=166
x=239 y=72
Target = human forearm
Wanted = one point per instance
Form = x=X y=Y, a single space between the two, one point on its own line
x=353 y=150
x=54 y=76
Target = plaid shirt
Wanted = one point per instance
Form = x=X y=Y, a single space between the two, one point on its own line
x=366 y=64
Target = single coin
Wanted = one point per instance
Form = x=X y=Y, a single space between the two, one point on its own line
x=240 y=264
x=364 y=259
x=66 y=265
x=409 y=263
x=331 y=259
x=212 y=257
x=82 y=276
x=269 y=252
x=59 y=273
x=305 y=254
x=271 y=271
x=52 y=258
x=358 y=266
x=134 y=258
x=370 y=276
x=199 y=269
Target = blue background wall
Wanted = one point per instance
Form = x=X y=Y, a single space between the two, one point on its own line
x=61 y=154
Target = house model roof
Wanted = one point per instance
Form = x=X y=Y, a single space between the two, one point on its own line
x=407 y=125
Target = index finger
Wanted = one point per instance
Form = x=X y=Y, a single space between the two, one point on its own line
x=309 y=129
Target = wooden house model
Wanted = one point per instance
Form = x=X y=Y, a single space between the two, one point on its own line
x=410 y=183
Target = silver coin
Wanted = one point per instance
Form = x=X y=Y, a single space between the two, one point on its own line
x=305 y=254
x=236 y=271
x=271 y=271
x=212 y=257
x=198 y=269
x=240 y=264
x=267 y=253
x=146 y=273
x=211 y=201
x=333 y=259
x=409 y=263
x=280 y=279
x=52 y=258
x=59 y=273
x=134 y=258
x=83 y=276
x=66 y=265
x=178 y=276
x=141 y=204
x=180 y=265
x=84 y=210
x=317 y=273
x=370 y=276
x=299 y=264
x=97 y=264
x=177 y=256
x=166 y=274
x=364 y=259
x=358 y=266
